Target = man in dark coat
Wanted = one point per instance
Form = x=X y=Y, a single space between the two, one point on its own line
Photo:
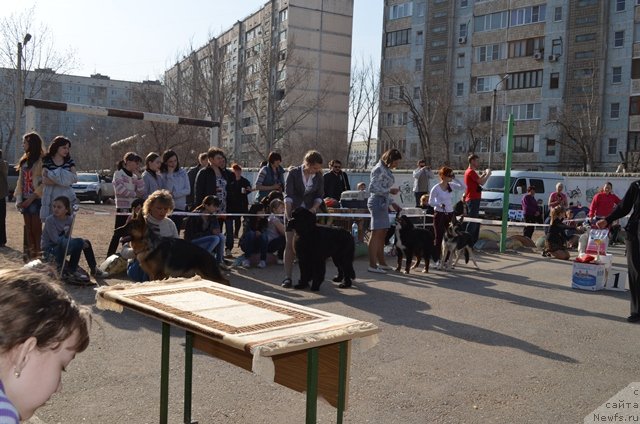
x=335 y=181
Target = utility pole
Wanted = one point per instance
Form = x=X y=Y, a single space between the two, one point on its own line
x=19 y=95
x=493 y=118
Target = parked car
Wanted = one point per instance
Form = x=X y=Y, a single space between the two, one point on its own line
x=12 y=179
x=92 y=186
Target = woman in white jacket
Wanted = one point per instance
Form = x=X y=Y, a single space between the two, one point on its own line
x=58 y=175
x=176 y=181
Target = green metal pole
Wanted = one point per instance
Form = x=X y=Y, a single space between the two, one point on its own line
x=164 y=374
x=188 y=375
x=342 y=379
x=507 y=184
x=312 y=385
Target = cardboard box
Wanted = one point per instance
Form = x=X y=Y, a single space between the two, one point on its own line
x=616 y=279
x=588 y=276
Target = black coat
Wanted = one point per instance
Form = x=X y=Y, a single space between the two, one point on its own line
x=334 y=184
x=236 y=200
x=205 y=184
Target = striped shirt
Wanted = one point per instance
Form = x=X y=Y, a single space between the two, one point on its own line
x=8 y=412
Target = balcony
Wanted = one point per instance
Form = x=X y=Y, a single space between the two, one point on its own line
x=637 y=14
x=636 y=49
x=635 y=87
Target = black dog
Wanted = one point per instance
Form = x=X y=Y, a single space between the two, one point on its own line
x=411 y=241
x=314 y=244
x=454 y=242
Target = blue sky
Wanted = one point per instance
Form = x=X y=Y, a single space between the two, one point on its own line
x=138 y=39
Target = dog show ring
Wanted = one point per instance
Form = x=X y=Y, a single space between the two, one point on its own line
x=305 y=349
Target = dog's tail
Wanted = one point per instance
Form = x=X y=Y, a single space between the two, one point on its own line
x=466 y=255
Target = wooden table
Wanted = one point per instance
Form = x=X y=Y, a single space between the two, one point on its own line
x=301 y=348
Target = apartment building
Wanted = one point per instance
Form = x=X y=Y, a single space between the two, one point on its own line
x=454 y=70
x=277 y=79
x=97 y=90
x=363 y=154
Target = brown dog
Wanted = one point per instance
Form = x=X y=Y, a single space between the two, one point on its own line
x=164 y=257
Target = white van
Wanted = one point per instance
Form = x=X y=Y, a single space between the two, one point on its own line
x=492 y=190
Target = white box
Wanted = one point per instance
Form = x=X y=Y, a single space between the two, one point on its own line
x=616 y=279
x=588 y=276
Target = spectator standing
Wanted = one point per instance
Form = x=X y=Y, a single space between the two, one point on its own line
x=4 y=191
x=421 y=181
x=176 y=182
x=531 y=211
x=270 y=177
x=128 y=185
x=58 y=175
x=28 y=192
x=238 y=197
x=441 y=199
x=192 y=173
x=151 y=176
x=473 y=193
x=602 y=205
x=214 y=180
x=304 y=187
x=335 y=181
x=380 y=189
x=630 y=202
x=558 y=198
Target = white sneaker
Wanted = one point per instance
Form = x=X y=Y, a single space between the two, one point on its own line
x=376 y=270
x=246 y=263
x=100 y=273
x=280 y=262
x=262 y=264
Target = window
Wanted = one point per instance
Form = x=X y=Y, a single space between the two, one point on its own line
x=460 y=89
x=419 y=37
x=491 y=21
x=282 y=36
x=402 y=10
x=488 y=53
x=421 y=9
x=554 y=81
x=557 y=14
x=526 y=47
x=615 y=110
x=620 y=5
x=618 y=39
x=556 y=46
x=397 y=38
x=484 y=84
x=523 y=143
x=527 y=79
x=581 y=38
x=485 y=113
x=524 y=112
x=587 y=20
x=283 y=15
x=583 y=73
x=589 y=54
x=438 y=43
x=583 y=3
x=634 y=105
x=528 y=15
x=460 y=60
x=612 y=147
x=616 y=75
x=418 y=65
x=464 y=3
x=439 y=29
x=551 y=148
x=438 y=58
x=463 y=30
x=393 y=93
x=416 y=93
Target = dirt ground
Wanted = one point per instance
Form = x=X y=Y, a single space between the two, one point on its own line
x=509 y=343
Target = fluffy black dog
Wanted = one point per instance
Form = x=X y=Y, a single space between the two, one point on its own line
x=410 y=242
x=314 y=244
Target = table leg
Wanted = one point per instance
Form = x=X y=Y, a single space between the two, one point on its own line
x=342 y=379
x=164 y=374
x=312 y=385
x=188 y=375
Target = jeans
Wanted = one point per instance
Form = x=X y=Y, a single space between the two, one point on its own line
x=473 y=228
x=228 y=230
x=252 y=243
x=135 y=272
x=76 y=246
x=213 y=244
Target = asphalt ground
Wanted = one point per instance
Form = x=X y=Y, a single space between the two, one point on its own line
x=509 y=343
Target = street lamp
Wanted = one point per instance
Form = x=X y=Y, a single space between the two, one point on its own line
x=20 y=93
x=493 y=117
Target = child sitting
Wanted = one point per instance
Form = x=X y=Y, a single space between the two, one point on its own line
x=556 y=243
x=42 y=329
x=204 y=230
x=56 y=238
x=155 y=209
x=254 y=236
x=275 y=229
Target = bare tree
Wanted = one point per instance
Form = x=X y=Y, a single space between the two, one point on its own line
x=371 y=105
x=580 y=122
x=357 y=102
x=38 y=54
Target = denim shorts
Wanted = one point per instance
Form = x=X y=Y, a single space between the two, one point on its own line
x=379 y=208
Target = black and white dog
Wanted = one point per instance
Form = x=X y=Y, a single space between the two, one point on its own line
x=455 y=242
x=314 y=244
x=410 y=242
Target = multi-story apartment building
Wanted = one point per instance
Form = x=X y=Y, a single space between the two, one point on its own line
x=453 y=70
x=363 y=153
x=276 y=80
x=97 y=90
